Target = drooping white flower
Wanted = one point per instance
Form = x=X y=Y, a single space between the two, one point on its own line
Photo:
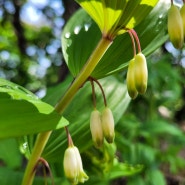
x=73 y=167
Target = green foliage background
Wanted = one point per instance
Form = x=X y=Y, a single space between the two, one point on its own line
x=149 y=144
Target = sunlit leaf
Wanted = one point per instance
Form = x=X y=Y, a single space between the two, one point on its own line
x=81 y=29
x=113 y=16
x=22 y=113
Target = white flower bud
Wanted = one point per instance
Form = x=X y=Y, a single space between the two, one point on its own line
x=96 y=128
x=108 y=125
x=140 y=73
x=131 y=80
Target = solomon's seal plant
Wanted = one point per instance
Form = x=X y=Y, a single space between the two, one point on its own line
x=114 y=19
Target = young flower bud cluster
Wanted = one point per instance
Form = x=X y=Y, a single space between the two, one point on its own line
x=73 y=166
x=137 y=75
x=175 y=26
x=102 y=126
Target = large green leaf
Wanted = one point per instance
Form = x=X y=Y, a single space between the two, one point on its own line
x=113 y=16
x=81 y=35
x=22 y=113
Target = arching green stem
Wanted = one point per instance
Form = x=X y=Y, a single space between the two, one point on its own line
x=42 y=138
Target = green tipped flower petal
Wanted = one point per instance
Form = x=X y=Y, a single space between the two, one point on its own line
x=140 y=73
x=82 y=176
x=131 y=80
x=108 y=125
x=96 y=128
x=73 y=167
x=175 y=27
x=70 y=165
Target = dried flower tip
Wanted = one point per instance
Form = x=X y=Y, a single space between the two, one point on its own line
x=131 y=80
x=96 y=128
x=140 y=73
x=175 y=27
x=108 y=125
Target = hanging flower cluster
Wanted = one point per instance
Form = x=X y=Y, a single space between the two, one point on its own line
x=101 y=124
x=176 y=25
x=137 y=74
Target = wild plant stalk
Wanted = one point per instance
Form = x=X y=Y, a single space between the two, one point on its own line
x=84 y=74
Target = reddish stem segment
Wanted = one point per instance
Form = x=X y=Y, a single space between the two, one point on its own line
x=137 y=39
x=133 y=42
x=93 y=92
x=46 y=165
x=101 y=88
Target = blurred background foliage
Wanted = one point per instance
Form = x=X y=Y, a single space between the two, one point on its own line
x=151 y=132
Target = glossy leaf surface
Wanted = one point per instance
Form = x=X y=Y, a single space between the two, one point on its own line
x=113 y=16
x=22 y=113
x=81 y=29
